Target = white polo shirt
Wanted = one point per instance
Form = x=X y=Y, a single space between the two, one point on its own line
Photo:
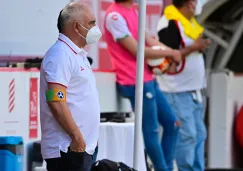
x=67 y=64
x=190 y=74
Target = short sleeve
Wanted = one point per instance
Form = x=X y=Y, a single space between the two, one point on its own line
x=57 y=67
x=169 y=34
x=117 y=26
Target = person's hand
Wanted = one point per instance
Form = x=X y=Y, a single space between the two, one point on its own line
x=176 y=56
x=173 y=67
x=201 y=44
x=78 y=144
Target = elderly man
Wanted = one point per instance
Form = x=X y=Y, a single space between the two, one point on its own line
x=183 y=89
x=69 y=125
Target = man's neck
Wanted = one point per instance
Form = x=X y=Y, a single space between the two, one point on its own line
x=126 y=4
x=186 y=13
x=79 y=43
x=76 y=40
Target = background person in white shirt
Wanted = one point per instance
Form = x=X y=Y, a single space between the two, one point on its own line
x=178 y=29
x=69 y=126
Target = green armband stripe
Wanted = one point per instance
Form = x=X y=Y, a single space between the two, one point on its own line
x=50 y=95
x=55 y=95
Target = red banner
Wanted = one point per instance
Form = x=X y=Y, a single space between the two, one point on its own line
x=33 y=114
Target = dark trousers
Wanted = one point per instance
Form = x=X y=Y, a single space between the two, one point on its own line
x=70 y=161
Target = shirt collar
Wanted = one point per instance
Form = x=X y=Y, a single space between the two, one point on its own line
x=70 y=44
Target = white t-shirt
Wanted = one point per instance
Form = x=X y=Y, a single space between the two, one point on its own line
x=192 y=75
x=117 y=26
x=67 y=64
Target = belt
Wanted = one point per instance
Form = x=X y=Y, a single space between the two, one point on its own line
x=198 y=95
x=202 y=91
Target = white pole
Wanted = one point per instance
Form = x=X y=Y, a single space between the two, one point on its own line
x=139 y=85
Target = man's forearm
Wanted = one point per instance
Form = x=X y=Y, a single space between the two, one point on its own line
x=63 y=116
x=130 y=44
x=186 y=51
x=156 y=54
x=154 y=42
x=150 y=41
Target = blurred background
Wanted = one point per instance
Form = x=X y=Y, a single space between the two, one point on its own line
x=28 y=29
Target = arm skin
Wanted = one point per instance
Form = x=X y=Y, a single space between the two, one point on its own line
x=63 y=116
x=130 y=44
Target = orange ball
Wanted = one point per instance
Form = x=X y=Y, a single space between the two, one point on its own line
x=161 y=65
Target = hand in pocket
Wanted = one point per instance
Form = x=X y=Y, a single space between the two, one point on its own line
x=78 y=144
x=76 y=160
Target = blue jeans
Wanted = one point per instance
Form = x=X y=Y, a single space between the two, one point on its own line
x=192 y=134
x=156 y=111
x=95 y=154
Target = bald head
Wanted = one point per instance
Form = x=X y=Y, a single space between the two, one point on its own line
x=73 y=11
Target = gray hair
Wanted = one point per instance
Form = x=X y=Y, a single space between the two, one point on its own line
x=69 y=13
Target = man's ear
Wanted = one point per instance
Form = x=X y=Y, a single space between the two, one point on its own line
x=90 y=60
x=75 y=26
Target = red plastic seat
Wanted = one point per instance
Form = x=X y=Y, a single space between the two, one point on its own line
x=239 y=127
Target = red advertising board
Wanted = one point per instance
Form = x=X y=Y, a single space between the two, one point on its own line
x=33 y=113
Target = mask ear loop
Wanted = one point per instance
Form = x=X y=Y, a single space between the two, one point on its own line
x=81 y=34
x=83 y=27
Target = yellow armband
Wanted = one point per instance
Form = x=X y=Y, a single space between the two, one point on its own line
x=56 y=95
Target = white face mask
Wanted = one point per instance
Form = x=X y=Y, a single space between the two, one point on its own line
x=93 y=35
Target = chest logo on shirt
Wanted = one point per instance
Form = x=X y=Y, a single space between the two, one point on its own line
x=114 y=17
x=81 y=68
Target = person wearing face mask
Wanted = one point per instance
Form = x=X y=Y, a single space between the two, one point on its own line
x=184 y=87
x=69 y=127
x=121 y=35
